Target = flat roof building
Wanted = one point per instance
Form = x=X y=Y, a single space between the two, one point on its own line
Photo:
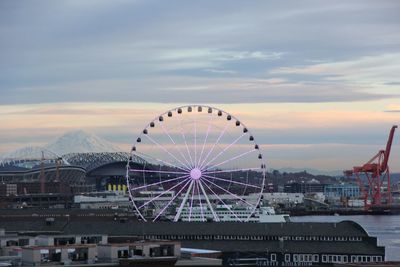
x=271 y=243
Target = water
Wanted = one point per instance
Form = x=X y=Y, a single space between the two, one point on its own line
x=385 y=227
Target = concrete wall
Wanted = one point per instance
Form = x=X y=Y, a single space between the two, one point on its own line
x=91 y=254
x=109 y=253
x=31 y=257
x=103 y=252
x=177 y=250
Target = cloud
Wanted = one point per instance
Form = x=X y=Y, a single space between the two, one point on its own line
x=218 y=55
x=220 y=71
x=181 y=89
x=54 y=45
x=380 y=69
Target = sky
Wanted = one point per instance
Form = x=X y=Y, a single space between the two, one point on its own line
x=318 y=83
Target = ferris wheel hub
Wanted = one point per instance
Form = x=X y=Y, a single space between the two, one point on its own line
x=195 y=173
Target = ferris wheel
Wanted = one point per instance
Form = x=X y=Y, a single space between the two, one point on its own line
x=201 y=164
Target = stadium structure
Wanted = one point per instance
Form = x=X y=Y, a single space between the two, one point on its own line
x=44 y=179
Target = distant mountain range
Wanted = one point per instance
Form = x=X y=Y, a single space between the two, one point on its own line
x=72 y=142
x=311 y=171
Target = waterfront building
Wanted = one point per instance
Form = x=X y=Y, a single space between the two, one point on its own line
x=102 y=200
x=287 y=199
x=342 y=190
x=312 y=186
x=272 y=244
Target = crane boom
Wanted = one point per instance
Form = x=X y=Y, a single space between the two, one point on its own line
x=388 y=148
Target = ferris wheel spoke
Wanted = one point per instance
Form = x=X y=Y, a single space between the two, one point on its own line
x=166 y=150
x=231 y=181
x=177 y=147
x=163 y=193
x=156 y=171
x=233 y=170
x=204 y=144
x=223 y=203
x=170 y=202
x=195 y=144
x=191 y=201
x=162 y=161
x=229 y=192
x=182 y=205
x=186 y=145
x=225 y=149
x=231 y=159
x=165 y=181
x=216 y=218
x=212 y=148
x=200 y=204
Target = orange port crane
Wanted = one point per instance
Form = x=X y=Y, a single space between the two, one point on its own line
x=376 y=170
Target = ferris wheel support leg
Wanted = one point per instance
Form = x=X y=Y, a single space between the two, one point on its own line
x=178 y=214
x=208 y=202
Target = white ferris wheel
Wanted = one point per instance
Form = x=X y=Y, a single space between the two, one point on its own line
x=201 y=164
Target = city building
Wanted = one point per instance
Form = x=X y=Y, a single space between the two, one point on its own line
x=342 y=190
x=37 y=250
x=287 y=199
x=311 y=186
x=160 y=248
x=272 y=244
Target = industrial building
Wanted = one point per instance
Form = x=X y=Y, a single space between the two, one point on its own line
x=273 y=244
x=56 y=248
x=342 y=190
x=312 y=186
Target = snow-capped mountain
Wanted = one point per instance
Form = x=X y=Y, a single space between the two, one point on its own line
x=79 y=142
x=72 y=142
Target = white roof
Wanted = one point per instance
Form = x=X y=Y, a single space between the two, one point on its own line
x=196 y=250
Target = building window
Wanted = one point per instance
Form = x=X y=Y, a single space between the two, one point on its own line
x=295 y=258
x=287 y=257
x=344 y=259
x=324 y=258
x=309 y=258
x=315 y=258
x=273 y=257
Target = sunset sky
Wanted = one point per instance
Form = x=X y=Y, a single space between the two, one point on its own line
x=318 y=83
